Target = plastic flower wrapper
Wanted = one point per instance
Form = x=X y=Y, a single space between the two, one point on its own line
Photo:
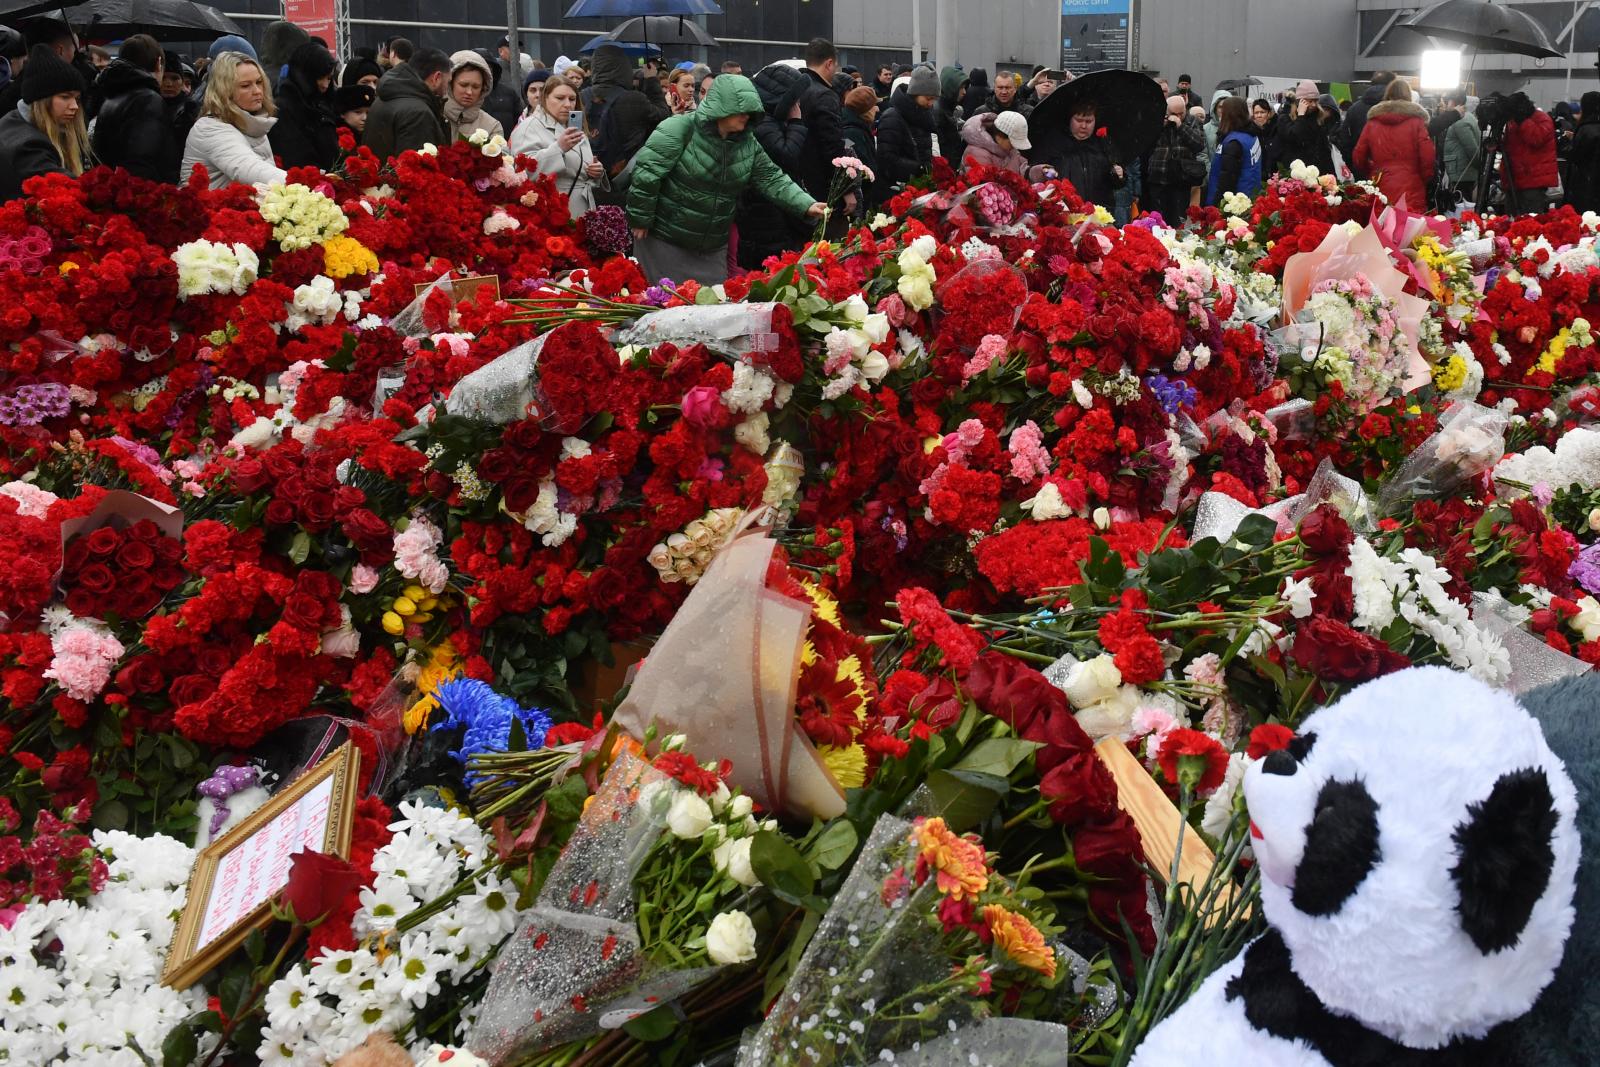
x=1219 y=515
x=725 y=674
x=730 y=330
x=503 y=390
x=918 y=936
x=409 y=321
x=1533 y=663
x=1470 y=440
x=594 y=952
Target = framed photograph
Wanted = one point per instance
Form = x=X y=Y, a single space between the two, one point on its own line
x=235 y=877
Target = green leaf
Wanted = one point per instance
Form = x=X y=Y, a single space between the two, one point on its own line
x=654 y=1025
x=255 y=947
x=707 y=295
x=112 y=815
x=181 y=1046
x=300 y=547
x=965 y=798
x=835 y=846
x=998 y=756
x=1256 y=531
x=781 y=868
x=233 y=990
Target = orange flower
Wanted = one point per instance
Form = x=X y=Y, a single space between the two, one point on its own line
x=962 y=869
x=1020 y=939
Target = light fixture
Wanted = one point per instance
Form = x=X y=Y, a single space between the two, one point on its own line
x=1441 y=68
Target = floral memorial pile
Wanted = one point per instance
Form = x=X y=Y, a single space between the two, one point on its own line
x=814 y=669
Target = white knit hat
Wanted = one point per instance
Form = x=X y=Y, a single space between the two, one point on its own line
x=1015 y=127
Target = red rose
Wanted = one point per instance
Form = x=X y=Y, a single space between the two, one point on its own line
x=279 y=513
x=368 y=532
x=318 y=508
x=1324 y=531
x=318 y=883
x=249 y=475
x=1268 y=737
x=191 y=689
x=103 y=541
x=1014 y=692
x=1080 y=789
x=303 y=611
x=1109 y=849
x=213 y=660
x=1187 y=753
x=141 y=676
x=135 y=556
x=95 y=578
x=1336 y=653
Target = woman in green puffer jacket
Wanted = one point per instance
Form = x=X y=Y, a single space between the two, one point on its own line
x=686 y=184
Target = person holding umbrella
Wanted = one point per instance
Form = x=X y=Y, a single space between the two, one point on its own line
x=687 y=180
x=1085 y=159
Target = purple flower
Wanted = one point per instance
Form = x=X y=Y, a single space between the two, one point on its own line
x=658 y=295
x=1585 y=570
x=1171 y=395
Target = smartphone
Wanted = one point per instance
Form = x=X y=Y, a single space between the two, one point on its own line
x=575 y=120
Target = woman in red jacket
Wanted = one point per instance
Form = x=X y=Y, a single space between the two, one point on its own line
x=1529 y=162
x=1395 y=146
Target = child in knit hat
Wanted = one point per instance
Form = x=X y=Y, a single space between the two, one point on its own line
x=46 y=133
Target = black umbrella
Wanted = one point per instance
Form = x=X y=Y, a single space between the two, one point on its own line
x=611 y=8
x=1232 y=84
x=1129 y=105
x=1485 y=26
x=165 y=20
x=664 y=30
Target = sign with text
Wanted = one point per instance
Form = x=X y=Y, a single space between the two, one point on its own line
x=316 y=17
x=235 y=877
x=1095 y=34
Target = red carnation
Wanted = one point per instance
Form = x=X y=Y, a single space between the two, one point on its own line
x=1191 y=757
x=1268 y=737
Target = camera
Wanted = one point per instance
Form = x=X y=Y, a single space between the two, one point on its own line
x=1493 y=111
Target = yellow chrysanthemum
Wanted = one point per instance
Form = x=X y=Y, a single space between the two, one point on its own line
x=1552 y=355
x=1020 y=939
x=343 y=256
x=441 y=667
x=848 y=764
x=960 y=866
x=1451 y=374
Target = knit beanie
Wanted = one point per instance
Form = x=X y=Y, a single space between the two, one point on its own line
x=542 y=74
x=230 y=43
x=358 y=68
x=47 y=74
x=1307 y=90
x=924 y=82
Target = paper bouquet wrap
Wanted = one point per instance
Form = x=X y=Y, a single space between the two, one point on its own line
x=725 y=675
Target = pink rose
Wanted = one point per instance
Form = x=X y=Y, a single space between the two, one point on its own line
x=363 y=579
x=895 y=308
x=700 y=405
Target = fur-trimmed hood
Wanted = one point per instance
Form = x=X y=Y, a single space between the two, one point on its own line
x=1396 y=111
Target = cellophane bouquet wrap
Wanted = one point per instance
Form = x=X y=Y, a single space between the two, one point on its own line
x=730 y=330
x=1470 y=440
x=577 y=964
x=878 y=982
x=503 y=390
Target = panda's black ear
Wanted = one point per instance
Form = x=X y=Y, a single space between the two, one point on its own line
x=1506 y=856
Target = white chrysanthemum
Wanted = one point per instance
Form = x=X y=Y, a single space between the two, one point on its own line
x=1375 y=581
x=208 y=267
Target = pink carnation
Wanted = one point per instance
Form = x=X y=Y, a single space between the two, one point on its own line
x=363 y=579
x=990 y=349
x=83 y=661
x=1029 y=460
x=32 y=502
x=416 y=555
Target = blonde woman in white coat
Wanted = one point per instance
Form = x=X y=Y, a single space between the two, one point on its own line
x=559 y=149
x=230 y=137
x=470 y=82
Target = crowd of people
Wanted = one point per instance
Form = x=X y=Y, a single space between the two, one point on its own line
x=718 y=171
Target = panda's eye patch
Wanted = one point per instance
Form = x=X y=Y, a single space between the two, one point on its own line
x=1341 y=848
x=1300 y=747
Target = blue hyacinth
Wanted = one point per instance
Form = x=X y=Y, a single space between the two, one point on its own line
x=1171 y=395
x=487 y=715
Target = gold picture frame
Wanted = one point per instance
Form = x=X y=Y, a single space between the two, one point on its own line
x=236 y=876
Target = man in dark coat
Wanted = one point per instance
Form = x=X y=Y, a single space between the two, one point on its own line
x=948 y=116
x=501 y=103
x=1086 y=162
x=1186 y=90
x=905 y=131
x=623 y=110
x=883 y=84
x=307 y=131
x=133 y=131
x=1583 y=190
x=782 y=133
x=1355 y=120
x=820 y=109
x=1007 y=96
x=181 y=108
x=409 y=111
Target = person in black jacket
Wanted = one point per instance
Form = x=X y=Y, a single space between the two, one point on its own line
x=501 y=102
x=1583 y=186
x=820 y=110
x=1170 y=179
x=1355 y=120
x=1007 y=96
x=905 y=131
x=307 y=131
x=45 y=135
x=133 y=131
x=1303 y=134
x=623 y=111
x=181 y=108
x=1085 y=160
x=782 y=133
x=948 y=116
x=860 y=112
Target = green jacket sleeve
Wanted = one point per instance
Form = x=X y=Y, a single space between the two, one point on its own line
x=651 y=167
x=1464 y=136
x=776 y=186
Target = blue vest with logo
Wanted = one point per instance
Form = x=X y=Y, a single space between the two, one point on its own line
x=1249 y=174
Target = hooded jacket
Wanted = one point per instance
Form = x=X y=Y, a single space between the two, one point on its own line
x=462 y=122
x=133 y=130
x=947 y=115
x=1355 y=121
x=230 y=154
x=25 y=152
x=905 y=140
x=1396 y=149
x=762 y=231
x=984 y=150
x=278 y=42
x=864 y=146
x=405 y=116
x=1463 y=150
x=622 y=117
x=688 y=177
x=307 y=131
x=1531 y=152
x=1211 y=126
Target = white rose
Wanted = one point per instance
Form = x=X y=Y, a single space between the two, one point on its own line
x=875 y=366
x=1587 y=620
x=719 y=799
x=733 y=859
x=855 y=309
x=689 y=815
x=1092 y=681
x=1112 y=716
x=876 y=326
x=731 y=938
x=1102 y=518
x=741 y=807
x=924 y=247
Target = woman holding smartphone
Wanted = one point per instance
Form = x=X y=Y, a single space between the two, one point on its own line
x=554 y=137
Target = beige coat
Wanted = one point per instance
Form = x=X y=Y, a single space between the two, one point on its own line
x=535 y=136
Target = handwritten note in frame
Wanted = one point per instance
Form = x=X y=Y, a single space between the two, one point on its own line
x=235 y=877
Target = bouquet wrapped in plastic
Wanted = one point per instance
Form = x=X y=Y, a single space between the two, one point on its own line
x=920 y=934
x=1470 y=440
x=730 y=330
x=1219 y=515
x=578 y=963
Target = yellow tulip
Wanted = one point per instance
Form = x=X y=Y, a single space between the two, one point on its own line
x=393 y=624
x=414 y=592
x=404 y=605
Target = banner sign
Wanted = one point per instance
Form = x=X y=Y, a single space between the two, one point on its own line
x=316 y=17
x=1095 y=34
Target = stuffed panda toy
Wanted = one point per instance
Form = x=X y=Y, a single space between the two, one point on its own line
x=1419 y=846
